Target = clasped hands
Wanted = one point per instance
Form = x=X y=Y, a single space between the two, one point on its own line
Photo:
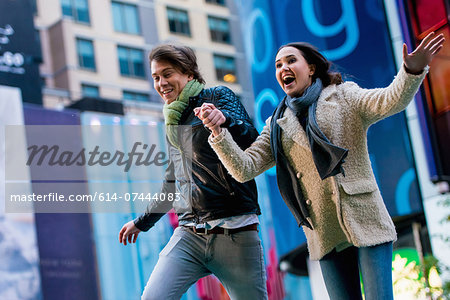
x=211 y=117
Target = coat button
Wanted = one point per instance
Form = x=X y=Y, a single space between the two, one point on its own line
x=299 y=175
x=308 y=202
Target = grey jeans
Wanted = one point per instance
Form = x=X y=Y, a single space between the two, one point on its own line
x=236 y=260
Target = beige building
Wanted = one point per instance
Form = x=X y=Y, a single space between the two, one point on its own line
x=99 y=48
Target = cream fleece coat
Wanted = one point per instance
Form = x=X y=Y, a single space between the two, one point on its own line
x=343 y=210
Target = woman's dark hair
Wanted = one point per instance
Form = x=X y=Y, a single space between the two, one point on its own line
x=313 y=57
x=181 y=57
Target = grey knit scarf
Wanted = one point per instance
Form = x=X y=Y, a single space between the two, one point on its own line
x=327 y=157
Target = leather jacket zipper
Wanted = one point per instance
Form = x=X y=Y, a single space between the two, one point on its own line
x=188 y=179
x=224 y=178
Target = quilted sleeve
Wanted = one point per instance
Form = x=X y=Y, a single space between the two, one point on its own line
x=237 y=121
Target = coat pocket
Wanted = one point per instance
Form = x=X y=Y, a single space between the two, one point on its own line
x=359 y=186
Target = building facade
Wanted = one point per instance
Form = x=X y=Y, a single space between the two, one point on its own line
x=100 y=48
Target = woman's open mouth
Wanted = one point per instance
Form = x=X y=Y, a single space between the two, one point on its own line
x=288 y=80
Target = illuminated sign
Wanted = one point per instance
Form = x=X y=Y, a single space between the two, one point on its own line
x=20 y=52
x=10 y=62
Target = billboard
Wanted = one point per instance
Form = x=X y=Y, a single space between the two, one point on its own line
x=20 y=52
x=68 y=264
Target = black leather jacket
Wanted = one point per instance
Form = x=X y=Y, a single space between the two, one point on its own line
x=206 y=190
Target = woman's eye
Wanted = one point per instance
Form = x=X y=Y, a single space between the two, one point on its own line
x=292 y=60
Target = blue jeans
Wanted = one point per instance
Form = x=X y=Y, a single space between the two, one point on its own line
x=341 y=272
x=236 y=260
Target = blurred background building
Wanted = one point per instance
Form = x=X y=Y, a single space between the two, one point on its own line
x=100 y=48
x=85 y=62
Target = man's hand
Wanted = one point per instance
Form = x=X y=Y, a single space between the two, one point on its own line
x=417 y=60
x=211 y=117
x=128 y=232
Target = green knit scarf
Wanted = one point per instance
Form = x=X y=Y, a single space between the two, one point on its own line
x=173 y=111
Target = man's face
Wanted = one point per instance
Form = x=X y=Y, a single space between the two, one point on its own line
x=168 y=81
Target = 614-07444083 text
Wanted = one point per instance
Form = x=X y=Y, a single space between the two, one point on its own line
x=102 y=197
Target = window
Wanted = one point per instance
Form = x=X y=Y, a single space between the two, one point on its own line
x=128 y=95
x=88 y=90
x=178 y=21
x=77 y=9
x=219 y=2
x=86 y=57
x=131 y=62
x=125 y=18
x=219 y=29
x=225 y=68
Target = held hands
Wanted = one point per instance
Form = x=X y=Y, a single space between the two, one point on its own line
x=128 y=232
x=416 y=61
x=211 y=117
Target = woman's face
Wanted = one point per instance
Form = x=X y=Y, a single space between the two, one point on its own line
x=292 y=71
x=168 y=81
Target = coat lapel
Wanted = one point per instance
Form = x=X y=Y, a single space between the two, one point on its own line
x=292 y=129
x=327 y=110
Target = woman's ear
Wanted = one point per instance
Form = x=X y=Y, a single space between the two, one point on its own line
x=191 y=76
x=312 y=70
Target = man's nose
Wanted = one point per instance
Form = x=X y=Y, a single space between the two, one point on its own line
x=162 y=81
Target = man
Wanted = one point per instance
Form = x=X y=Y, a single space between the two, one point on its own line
x=217 y=215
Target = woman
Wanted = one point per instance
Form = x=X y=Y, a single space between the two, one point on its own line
x=317 y=139
x=217 y=215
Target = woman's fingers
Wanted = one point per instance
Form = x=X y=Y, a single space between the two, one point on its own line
x=215 y=119
x=437 y=50
x=426 y=40
x=436 y=43
x=422 y=56
x=405 y=51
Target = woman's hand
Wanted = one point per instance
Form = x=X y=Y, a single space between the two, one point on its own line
x=416 y=61
x=211 y=117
